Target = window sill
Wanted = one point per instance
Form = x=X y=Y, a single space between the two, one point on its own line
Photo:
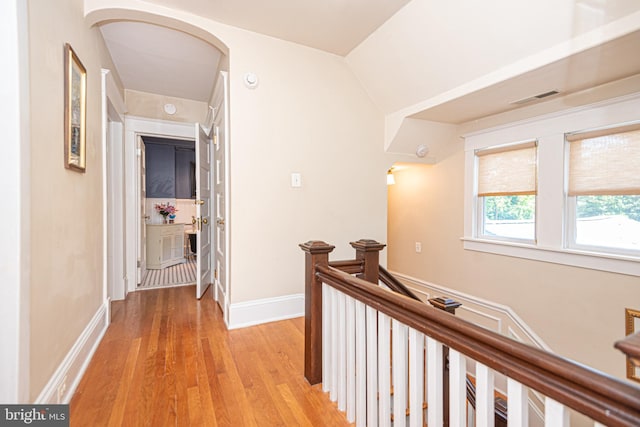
x=577 y=258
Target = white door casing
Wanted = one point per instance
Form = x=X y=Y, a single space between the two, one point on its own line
x=134 y=128
x=220 y=130
x=203 y=210
x=142 y=209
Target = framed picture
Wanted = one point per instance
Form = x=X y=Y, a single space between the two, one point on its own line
x=75 y=111
x=632 y=325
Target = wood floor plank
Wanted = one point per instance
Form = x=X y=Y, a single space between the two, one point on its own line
x=167 y=359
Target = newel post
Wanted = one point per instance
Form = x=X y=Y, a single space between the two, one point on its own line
x=448 y=305
x=316 y=253
x=369 y=252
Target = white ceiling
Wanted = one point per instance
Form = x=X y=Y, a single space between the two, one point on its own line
x=154 y=59
x=593 y=67
x=162 y=61
x=159 y=60
x=335 y=26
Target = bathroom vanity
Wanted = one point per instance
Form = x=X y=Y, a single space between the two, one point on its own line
x=165 y=245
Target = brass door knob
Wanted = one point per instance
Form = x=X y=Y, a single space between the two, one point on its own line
x=220 y=221
x=205 y=220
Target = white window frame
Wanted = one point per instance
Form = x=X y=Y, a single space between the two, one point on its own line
x=479 y=205
x=552 y=204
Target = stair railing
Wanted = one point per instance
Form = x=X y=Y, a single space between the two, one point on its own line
x=348 y=347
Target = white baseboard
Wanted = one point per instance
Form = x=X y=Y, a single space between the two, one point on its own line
x=255 y=312
x=66 y=378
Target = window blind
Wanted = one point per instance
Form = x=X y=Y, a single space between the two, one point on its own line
x=605 y=162
x=508 y=171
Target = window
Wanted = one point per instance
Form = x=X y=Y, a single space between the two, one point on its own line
x=581 y=206
x=507 y=186
x=604 y=190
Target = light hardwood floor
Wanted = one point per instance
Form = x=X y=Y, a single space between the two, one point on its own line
x=167 y=360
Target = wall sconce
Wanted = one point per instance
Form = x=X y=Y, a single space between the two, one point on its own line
x=390 y=178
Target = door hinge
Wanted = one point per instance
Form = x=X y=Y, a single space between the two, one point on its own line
x=215 y=139
x=215 y=274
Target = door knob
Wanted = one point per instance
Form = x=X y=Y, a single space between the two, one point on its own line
x=220 y=221
x=199 y=202
x=205 y=220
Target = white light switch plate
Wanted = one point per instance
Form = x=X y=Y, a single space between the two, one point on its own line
x=296 y=180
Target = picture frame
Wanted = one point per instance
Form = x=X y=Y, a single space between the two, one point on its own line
x=632 y=325
x=75 y=111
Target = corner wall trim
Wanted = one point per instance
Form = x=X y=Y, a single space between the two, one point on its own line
x=66 y=378
x=502 y=315
x=255 y=312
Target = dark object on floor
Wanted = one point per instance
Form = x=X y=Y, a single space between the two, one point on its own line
x=192 y=243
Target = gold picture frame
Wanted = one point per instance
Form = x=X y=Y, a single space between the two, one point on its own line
x=75 y=111
x=631 y=317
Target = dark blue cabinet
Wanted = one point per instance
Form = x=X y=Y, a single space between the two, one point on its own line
x=170 y=171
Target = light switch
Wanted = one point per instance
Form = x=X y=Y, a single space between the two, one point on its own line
x=296 y=180
x=418 y=247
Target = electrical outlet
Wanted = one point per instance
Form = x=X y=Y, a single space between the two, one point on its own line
x=418 y=247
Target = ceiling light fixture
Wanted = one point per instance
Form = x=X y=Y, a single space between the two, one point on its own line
x=170 y=109
x=422 y=150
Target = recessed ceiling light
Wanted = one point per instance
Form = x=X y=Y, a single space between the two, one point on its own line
x=170 y=109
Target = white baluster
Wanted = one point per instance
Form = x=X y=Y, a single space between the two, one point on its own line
x=555 y=414
x=384 y=367
x=351 y=358
x=484 y=397
x=518 y=398
x=372 y=367
x=333 y=389
x=342 y=353
x=434 y=383
x=416 y=375
x=399 y=374
x=361 y=365
x=457 y=389
x=326 y=340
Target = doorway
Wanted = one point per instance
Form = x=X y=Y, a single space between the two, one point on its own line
x=167 y=186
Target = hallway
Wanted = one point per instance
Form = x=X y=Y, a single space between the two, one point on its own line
x=167 y=360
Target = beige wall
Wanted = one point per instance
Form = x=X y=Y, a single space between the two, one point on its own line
x=66 y=206
x=578 y=312
x=310 y=115
x=150 y=105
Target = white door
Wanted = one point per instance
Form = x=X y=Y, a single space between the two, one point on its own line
x=203 y=210
x=221 y=191
x=143 y=217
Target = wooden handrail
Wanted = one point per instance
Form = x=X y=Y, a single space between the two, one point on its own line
x=631 y=347
x=602 y=397
x=351 y=266
x=395 y=285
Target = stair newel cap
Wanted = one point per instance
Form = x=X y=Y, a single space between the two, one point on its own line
x=446 y=304
x=367 y=245
x=316 y=247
